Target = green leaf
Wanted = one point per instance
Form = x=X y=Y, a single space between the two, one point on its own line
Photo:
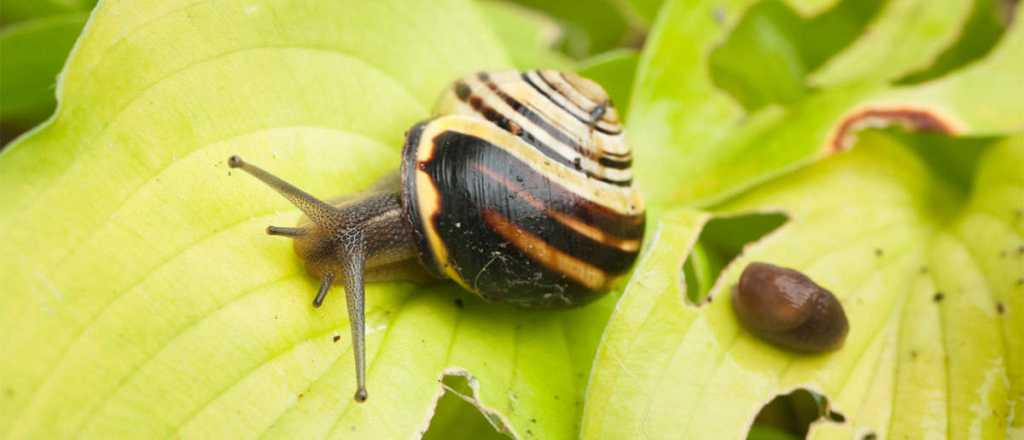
x=766 y=58
x=590 y=27
x=14 y=11
x=142 y=298
x=907 y=35
x=644 y=11
x=812 y=7
x=709 y=147
x=982 y=31
x=529 y=37
x=877 y=229
x=33 y=54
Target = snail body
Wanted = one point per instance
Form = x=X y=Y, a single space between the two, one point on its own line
x=519 y=189
x=785 y=307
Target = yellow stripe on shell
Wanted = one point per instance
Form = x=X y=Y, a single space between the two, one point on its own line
x=429 y=201
x=547 y=255
x=587 y=230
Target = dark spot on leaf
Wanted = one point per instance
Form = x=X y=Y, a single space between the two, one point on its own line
x=913 y=354
x=458 y=303
x=1020 y=281
x=878 y=252
x=923 y=270
x=938 y=297
x=576 y=163
x=836 y=417
x=336 y=338
x=870 y=436
x=529 y=433
x=533 y=420
x=1000 y=308
x=300 y=395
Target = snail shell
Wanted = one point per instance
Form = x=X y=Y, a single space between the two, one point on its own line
x=785 y=307
x=521 y=190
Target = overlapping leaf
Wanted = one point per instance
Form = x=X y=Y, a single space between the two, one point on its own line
x=931 y=285
x=33 y=54
x=142 y=298
x=711 y=147
x=875 y=225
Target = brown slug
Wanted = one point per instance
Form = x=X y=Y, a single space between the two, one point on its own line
x=785 y=307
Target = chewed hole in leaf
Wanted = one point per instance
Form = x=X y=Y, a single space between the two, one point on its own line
x=788 y=46
x=458 y=414
x=790 y=415
x=721 y=240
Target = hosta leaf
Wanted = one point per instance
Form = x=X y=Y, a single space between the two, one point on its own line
x=14 y=11
x=931 y=283
x=983 y=29
x=529 y=37
x=590 y=27
x=711 y=147
x=812 y=7
x=141 y=296
x=643 y=11
x=907 y=35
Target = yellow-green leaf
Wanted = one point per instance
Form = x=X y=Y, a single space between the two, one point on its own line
x=931 y=283
x=142 y=298
x=907 y=35
x=709 y=147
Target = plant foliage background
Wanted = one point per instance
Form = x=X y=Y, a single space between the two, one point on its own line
x=142 y=300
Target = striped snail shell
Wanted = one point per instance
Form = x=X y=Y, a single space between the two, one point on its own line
x=519 y=193
x=519 y=189
x=785 y=307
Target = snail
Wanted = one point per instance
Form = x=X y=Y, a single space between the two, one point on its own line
x=785 y=307
x=519 y=189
